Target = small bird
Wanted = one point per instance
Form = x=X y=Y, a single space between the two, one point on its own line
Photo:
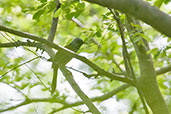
x=62 y=58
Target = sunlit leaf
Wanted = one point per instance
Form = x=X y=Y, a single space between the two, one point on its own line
x=37 y=15
x=57 y=13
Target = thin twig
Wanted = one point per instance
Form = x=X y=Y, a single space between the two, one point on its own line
x=28 y=101
x=15 y=89
x=54 y=23
x=113 y=60
x=85 y=74
x=1 y=77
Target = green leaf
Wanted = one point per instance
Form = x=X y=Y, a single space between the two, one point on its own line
x=33 y=85
x=42 y=1
x=44 y=89
x=57 y=13
x=24 y=85
x=51 y=6
x=81 y=6
x=136 y=39
x=99 y=33
x=41 y=6
x=154 y=50
x=163 y=54
x=145 y=37
x=158 y=3
x=37 y=15
x=136 y=25
x=166 y=1
x=18 y=78
x=69 y=16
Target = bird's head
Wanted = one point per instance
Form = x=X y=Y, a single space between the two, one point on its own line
x=75 y=44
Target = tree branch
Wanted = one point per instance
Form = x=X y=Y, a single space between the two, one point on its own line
x=100 y=71
x=13 y=86
x=38 y=45
x=147 y=80
x=163 y=70
x=54 y=23
x=1 y=77
x=99 y=98
x=53 y=30
x=141 y=10
x=28 y=101
x=77 y=89
x=19 y=43
x=69 y=105
x=127 y=62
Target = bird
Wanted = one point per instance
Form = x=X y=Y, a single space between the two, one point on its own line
x=62 y=58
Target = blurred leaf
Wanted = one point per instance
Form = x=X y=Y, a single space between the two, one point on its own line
x=34 y=84
x=42 y=1
x=41 y=6
x=166 y=1
x=51 y=6
x=99 y=33
x=57 y=13
x=24 y=85
x=145 y=37
x=18 y=78
x=158 y=3
x=136 y=39
x=37 y=15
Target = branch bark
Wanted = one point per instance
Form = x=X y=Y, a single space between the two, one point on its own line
x=141 y=10
x=163 y=70
x=54 y=23
x=53 y=30
x=147 y=80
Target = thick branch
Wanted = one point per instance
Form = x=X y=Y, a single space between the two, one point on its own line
x=141 y=10
x=163 y=70
x=127 y=61
x=147 y=80
x=77 y=89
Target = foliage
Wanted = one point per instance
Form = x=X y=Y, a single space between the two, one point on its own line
x=103 y=47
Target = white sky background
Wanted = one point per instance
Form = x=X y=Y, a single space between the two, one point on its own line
x=112 y=106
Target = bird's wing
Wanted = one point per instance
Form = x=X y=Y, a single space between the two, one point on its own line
x=60 y=58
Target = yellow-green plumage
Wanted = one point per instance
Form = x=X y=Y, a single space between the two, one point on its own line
x=62 y=58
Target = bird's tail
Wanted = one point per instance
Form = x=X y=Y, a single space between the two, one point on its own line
x=54 y=80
